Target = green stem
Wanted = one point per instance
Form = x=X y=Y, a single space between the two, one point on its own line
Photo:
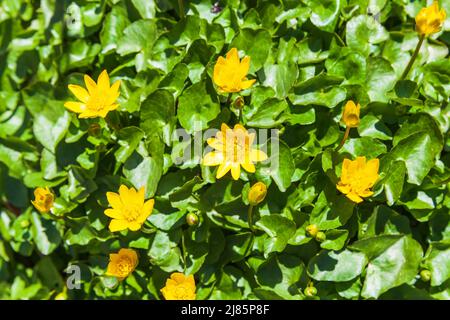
x=347 y=132
x=147 y=230
x=413 y=57
x=183 y=248
x=240 y=115
x=181 y=8
x=250 y=218
x=229 y=98
x=339 y=39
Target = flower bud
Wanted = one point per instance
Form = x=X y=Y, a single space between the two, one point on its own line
x=257 y=193
x=429 y=20
x=94 y=129
x=24 y=223
x=320 y=236
x=192 y=219
x=350 y=115
x=425 y=275
x=43 y=199
x=310 y=291
x=312 y=230
x=239 y=102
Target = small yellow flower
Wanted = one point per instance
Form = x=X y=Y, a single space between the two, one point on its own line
x=357 y=177
x=257 y=193
x=233 y=150
x=430 y=19
x=179 y=287
x=350 y=115
x=129 y=209
x=122 y=264
x=97 y=100
x=43 y=199
x=230 y=73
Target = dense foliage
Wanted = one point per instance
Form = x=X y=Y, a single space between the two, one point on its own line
x=309 y=58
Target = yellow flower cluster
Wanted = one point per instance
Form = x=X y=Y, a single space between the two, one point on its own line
x=232 y=149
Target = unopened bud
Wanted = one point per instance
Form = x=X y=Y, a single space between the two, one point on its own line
x=192 y=219
x=320 y=236
x=425 y=275
x=24 y=223
x=239 y=102
x=310 y=291
x=312 y=230
x=94 y=129
x=257 y=193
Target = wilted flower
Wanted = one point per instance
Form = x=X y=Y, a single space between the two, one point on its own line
x=429 y=20
x=43 y=199
x=230 y=73
x=122 y=264
x=233 y=150
x=350 y=115
x=358 y=177
x=97 y=100
x=129 y=209
x=179 y=287
x=257 y=193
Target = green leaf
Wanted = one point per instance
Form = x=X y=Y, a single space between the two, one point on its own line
x=128 y=139
x=436 y=260
x=279 y=229
x=338 y=266
x=138 y=36
x=158 y=114
x=393 y=261
x=362 y=32
x=46 y=233
x=281 y=274
x=197 y=106
x=245 y=41
x=50 y=118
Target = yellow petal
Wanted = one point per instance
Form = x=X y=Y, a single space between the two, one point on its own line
x=118 y=225
x=73 y=106
x=114 y=200
x=134 y=226
x=103 y=82
x=354 y=197
x=112 y=213
x=223 y=169
x=213 y=158
x=249 y=167
x=244 y=67
x=235 y=171
x=233 y=57
x=257 y=155
x=247 y=84
x=90 y=84
x=79 y=92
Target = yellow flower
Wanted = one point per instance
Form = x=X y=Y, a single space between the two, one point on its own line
x=97 y=100
x=129 y=209
x=430 y=19
x=230 y=73
x=257 y=193
x=350 y=115
x=121 y=264
x=43 y=199
x=357 y=177
x=233 y=150
x=179 y=287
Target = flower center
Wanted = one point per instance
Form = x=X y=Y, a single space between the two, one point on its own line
x=182 y=292
x=96 y=102
x=125 y=266
x=132 y=212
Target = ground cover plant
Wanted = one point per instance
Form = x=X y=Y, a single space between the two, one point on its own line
x=249 y=149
